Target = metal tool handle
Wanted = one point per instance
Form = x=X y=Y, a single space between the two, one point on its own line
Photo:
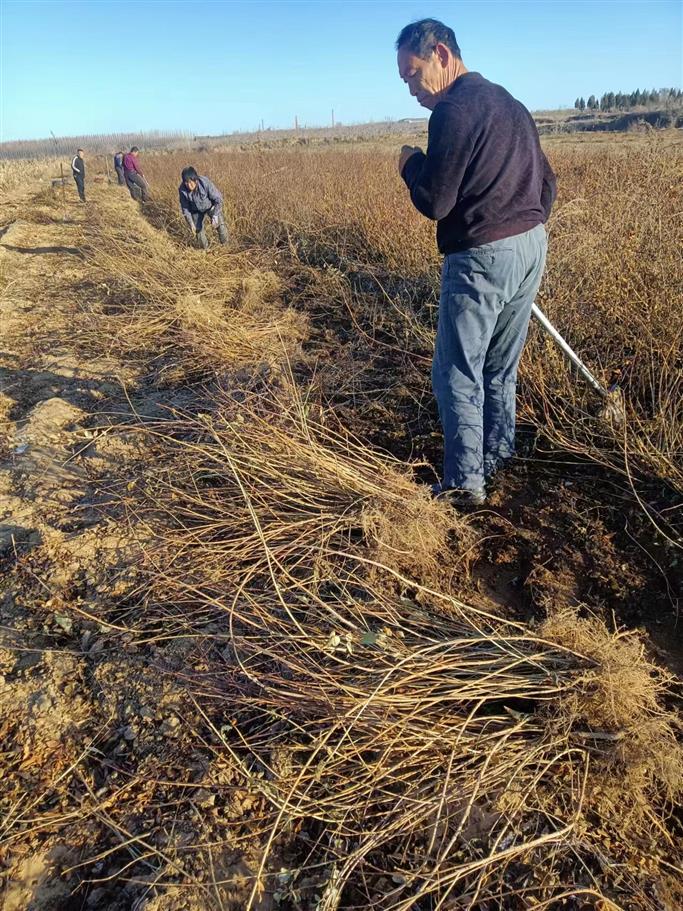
x=569 y=352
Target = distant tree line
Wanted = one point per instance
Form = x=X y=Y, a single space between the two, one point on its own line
x=95 y=145
x=627 y=101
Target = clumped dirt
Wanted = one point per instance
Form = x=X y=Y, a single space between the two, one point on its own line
x=92 y=716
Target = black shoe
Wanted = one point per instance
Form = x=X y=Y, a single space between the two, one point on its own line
x=460 y=497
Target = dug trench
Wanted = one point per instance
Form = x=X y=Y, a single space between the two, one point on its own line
x=126 y=785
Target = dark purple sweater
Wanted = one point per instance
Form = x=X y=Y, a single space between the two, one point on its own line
x=130 y=163
x=484 y=176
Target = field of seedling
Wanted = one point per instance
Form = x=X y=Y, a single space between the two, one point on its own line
x=247 y=662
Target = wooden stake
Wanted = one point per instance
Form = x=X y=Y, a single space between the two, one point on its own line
x=61 y=171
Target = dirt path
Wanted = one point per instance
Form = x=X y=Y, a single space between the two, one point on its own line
x=51 y=540
x=82 y=709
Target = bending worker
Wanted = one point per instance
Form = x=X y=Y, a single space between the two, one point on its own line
x=135 y=179
x=486 y=182
x=199 y=199
x=78 y=171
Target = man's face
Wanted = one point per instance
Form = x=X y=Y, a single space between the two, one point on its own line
x=426 y=79
x=191 y=185
x=80 y=153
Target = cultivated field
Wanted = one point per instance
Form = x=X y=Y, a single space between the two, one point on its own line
x=248 y=662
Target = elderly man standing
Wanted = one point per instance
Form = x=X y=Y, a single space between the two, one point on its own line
x=78 y=171
x=199 y=199
x=488 y=185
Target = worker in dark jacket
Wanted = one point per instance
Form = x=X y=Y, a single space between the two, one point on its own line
x=486 y=182
x=118 y=167
x=135 y=179
x=78 y=171
x=201 y=199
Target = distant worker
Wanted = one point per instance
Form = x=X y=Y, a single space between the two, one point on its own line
x=135 y=179
x=486 y=182
x=118 y=167
x=199 y=199
x=78 y=171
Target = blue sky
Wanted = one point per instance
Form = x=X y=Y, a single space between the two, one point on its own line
x=97 y=66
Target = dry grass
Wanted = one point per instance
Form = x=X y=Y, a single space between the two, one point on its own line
x=164 y=300
x=17 y=175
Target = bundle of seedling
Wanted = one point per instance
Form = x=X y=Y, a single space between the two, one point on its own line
x=412 y=751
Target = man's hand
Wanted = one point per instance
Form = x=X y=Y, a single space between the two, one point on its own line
x=406 y=153
x=214 y=221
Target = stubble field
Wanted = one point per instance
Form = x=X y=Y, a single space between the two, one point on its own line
x=248 y=663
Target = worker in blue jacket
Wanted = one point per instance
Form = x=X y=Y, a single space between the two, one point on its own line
x=199 y=199
x=118 y=167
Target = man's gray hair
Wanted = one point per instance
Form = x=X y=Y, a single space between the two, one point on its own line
x=422 y=37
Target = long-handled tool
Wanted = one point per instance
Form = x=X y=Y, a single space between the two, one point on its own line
x=614 y=408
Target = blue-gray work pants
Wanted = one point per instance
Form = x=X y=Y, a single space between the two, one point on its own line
x=137 y=185
x=484 y=311
x=198 y=218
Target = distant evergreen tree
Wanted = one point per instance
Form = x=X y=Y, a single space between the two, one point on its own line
x=629 y=101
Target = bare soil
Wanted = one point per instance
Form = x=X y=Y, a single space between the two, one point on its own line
x=87 y=717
